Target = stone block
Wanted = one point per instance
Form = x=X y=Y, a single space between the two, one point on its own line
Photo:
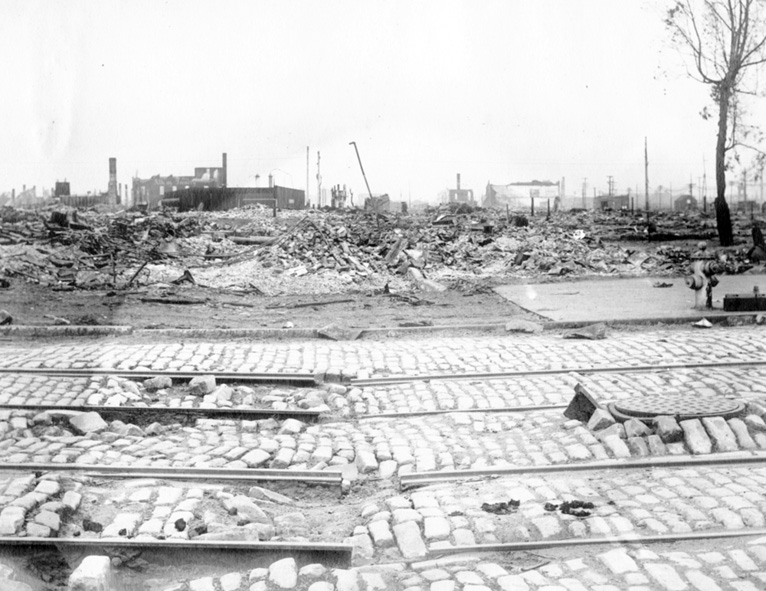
x=48 y=487
x=600 y=419
x=365 y=461
x=49 y=520
x=656 y=446
x=291 y=427
x=88 y=422
x=35 y=530
x=721 y=435
x=615 y=429
x=616 y=446
x=755 y=423
x=255 y=458
x=93 y=574
x=582 y=406
x=436 y=528
x=636 y=428
x=284 y=573
x=695 y=437
x=202 y=385
x=739 y=428
x=11 y=520
x=246 y=509
x=381 y=533
x=283 y=458
x=409 y=540
x=638 y=447
x=668 y=429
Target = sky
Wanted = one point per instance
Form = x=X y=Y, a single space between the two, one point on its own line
x=499 y=91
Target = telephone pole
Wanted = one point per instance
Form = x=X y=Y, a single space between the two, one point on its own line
x=307 y=175
x=319 y=181
x=584 y=190
x=611 y=185
x=646 y=174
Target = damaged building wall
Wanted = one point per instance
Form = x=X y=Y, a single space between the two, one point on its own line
x=218 y=199
x=519 y=196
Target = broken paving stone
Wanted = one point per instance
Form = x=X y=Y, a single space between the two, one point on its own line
x=524 y=326
x=202 y=385
x=594 y=332
x=88 y=422
x=337 y=333
x=601 y=419
x=582 y=406
x=636 y=428
x=668 y=429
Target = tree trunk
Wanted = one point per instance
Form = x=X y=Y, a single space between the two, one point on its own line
x=722 y=215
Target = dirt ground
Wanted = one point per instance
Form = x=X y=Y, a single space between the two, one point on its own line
x=29 y=304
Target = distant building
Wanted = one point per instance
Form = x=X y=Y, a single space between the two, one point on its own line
x=62 y=189
x=685 y=203
x=618 y=202
x=519 y=196
x=460 y=195
x=218 y=199
x=151 y=191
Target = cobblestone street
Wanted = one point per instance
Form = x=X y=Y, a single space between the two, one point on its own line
x=425 y=422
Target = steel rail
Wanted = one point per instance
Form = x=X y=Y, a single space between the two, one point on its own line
x=393 y=380
x=180 y=473
x=207 y=545
x=424 y=413
x=216 y=413
x=721 y=459
x=621 y=539
x=295 y=379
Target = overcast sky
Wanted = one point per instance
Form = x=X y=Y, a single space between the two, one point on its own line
x=500 y=91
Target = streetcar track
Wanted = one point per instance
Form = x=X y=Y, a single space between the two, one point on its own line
x=394 y=380
x=286 y=378
x=123 y=412
x=707 y=535
x=413 y=479
x=318 y=477
x=340 y=550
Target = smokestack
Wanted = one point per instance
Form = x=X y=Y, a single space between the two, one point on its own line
x=458 y=181
x=224 y=180
x=112 y=190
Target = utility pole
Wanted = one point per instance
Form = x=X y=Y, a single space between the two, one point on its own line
x=319 y=181
x=584 y=190
x=611 y=185
x=704 y=184
x=646 y=173
x=359 y=158
x=307 y=175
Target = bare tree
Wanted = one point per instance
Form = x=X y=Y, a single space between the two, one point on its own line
x=724 y=39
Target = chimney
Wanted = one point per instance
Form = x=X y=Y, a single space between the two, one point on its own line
x=112 y=190
x=458 y=181
x=224 y=180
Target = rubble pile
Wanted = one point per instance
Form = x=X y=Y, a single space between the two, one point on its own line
x=334 y=251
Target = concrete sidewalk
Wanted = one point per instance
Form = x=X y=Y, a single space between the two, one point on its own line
x=622 y=299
